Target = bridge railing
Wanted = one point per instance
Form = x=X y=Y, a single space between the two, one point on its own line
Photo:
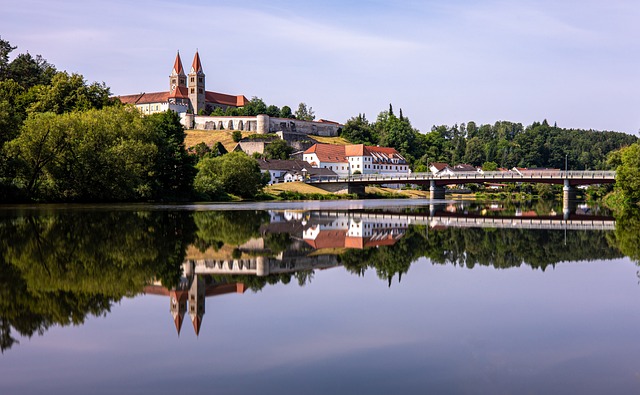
x=472 y=175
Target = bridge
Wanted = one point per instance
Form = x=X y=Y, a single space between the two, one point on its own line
x=437 y=183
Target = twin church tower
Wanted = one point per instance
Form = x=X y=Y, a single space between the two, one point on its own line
x=193 y=93
x=187 y=93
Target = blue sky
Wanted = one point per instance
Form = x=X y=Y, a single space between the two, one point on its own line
x=443 y=62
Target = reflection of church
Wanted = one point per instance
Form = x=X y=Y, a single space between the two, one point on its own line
x=189 y=295
x=308 y=233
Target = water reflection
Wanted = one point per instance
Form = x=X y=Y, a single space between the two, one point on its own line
x=59 y=266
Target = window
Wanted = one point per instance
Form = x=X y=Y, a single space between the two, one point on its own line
x=200 y=79
x=199 y=90
x=192 y=79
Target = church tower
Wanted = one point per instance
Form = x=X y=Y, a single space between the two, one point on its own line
x=196 y=302
x=177 y=79
x=196 y=85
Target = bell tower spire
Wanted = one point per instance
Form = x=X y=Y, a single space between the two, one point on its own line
x=177 y=78
x=197 y=85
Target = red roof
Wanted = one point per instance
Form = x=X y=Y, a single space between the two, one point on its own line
x=227 y=100
x=144 y=98
x=439 y=165
x=339 y=153
x=196 y=67
x=328 y=153
x=181 y=92
x=328 y=239
x=177 y=66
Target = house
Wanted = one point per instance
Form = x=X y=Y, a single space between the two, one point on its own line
x=440 y=168
x=352 y=159
x=291 y=170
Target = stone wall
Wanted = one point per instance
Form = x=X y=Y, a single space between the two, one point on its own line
x=261 y=124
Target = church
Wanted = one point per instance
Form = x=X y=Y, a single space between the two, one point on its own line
x=186 y=94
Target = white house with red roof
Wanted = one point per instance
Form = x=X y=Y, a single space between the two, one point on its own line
x=186 y=93
x=352 y=159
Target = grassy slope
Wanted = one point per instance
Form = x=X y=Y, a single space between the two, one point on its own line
x=211 y=137
x=294 y=187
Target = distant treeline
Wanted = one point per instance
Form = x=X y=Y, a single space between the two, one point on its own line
x=503 y=144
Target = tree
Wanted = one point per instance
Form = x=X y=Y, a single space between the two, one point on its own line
x=174 y=170
x=628 y=173
x=29 y=71
x=5 y=50
x=234 y=173
x=255 y=106
x=305 y=114
x=489 y=166
x=358 y=130
x=285 y=112
x=69 y=93
x=278 y=149
x=97 y=155
x=236 y=135
x=273 y=111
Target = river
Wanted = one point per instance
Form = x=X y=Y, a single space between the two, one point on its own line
x=335 y=297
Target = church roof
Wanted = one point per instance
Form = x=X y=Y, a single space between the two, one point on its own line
x=227 y=100
x=177 y=66
x=196 y=67
x=145 y=98
x=181 y=92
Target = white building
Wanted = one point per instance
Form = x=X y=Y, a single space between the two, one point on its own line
x=353 y=159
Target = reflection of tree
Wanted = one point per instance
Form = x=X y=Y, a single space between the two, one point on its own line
x=216 y=228
x=57 y=268
x=627 y=234
x=499 y=248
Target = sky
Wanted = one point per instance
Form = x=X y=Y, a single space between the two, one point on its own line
x=572 y=62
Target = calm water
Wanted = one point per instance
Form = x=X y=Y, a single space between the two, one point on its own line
x=375 y=297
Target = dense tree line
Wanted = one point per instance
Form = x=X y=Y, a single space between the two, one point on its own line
x=503 y=144
x=257 y=106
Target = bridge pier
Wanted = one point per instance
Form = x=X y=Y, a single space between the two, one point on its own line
x=436 y=191
x=568 y=199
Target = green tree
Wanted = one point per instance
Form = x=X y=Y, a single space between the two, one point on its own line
x=489 y=166
x=29 y=71
x=69 y=93
x=5 y=50
x=278 y=149
x=98 y=155
x=305 y=114
x=273 y=111
x=255 y=106
x=285 y=112
x=234 y=173
x=174 y=169
x=628 y=174
x=236 y=135
x=358 y=130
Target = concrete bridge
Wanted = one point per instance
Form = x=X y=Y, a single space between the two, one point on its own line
x=437 y=183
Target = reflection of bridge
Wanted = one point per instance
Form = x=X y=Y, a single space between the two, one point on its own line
x=437 y=183
x=573 y=222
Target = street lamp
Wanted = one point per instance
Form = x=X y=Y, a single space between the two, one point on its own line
x=566 y=167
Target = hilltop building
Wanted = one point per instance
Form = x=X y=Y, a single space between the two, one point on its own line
x=187 y=93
